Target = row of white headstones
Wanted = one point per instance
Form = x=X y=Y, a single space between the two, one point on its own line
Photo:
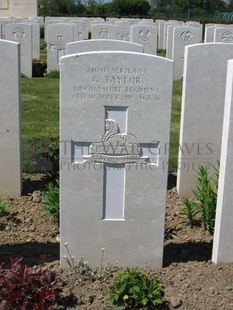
x=171 y=35
x=115 y=109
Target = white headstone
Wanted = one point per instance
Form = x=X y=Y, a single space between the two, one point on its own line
x=166 y=25
x=115 y=115
x=223 y=232
x=209 y=32
x=123 y=30
x=160 y=33
x=35 y=40
x=80 y=25
x=145 y=35
x=223 y=34
x=10 y=119
x=58 y=35
x=18 y=8
x=102 y=45
x=22 y=33
x=182 y=36
x=197 y=25
x=169 y=41
x=204 y=81
x=104 y=31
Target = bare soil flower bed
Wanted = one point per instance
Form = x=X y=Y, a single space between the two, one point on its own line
x=189 y=278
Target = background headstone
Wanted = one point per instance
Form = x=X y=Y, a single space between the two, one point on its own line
x=182 y=36
x=104 y=31
x=10 y=120
x=169 y=41
x=18 y=8
x=123 y=30
x=223 y=34
x=22 y=33
x=223 y=232
x=58 y=35
x=204 y=83
x=145 y=35
x=102 y=45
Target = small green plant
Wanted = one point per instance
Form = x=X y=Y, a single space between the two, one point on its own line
x=4 y=207
x=80 y=266
x=51 y=200
x=189 y=211
x=53 y=74
x=132 y=289
x=204 y=205
x=207 y=199
x=23 y=288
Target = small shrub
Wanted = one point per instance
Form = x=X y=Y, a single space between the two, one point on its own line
x=39 y=67
x=4 y=207
x=23 y=288
x=190 y=212
x=42 y=44
x=206 y=196
x=51 y=200
x=53 y=74
x=81 y=267
x=132 y=289
x=205 y=202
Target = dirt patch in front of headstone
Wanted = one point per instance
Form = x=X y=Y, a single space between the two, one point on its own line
x=190 y=280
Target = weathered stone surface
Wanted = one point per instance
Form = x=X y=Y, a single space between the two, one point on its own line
x=203 y=96
x=115 y=119
x=222 y=246
x=10 y=120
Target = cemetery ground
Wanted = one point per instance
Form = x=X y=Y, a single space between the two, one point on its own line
x=189 y=279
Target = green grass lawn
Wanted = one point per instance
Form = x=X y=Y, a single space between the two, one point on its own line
x=40 y=115
x=40 y=108
x=175 y=125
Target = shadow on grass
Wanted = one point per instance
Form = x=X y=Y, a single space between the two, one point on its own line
x=187 y=251
x=31 y=252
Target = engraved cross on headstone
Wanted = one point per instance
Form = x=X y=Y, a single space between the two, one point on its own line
x=117 y=150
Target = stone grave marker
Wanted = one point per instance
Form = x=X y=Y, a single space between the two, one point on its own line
x=35 y=40
x=10 y=120
x=209 y=32
x=223 y=34
x=115 y=123
x=80 y=25
x=182 y=36
x=160 y=24
x=4 y=22
x=22 y=33
x=204 y=83
x=104 y=31
x=123 y=30
x=145 y=35
x=58 y=35
x=223 y=232
x=169 y=41
x=102 y=45
x=165 y=33
x=19 y=8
